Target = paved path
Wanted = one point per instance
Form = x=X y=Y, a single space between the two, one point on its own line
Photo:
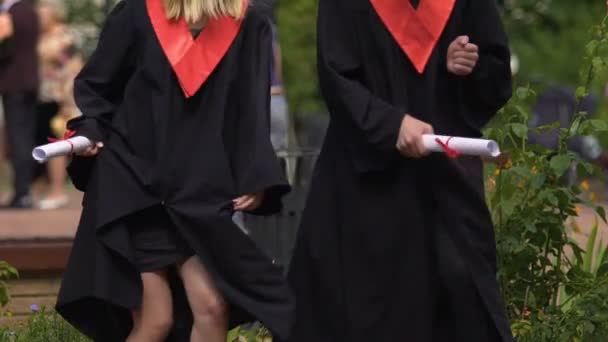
x=31 y=225
x=18 y=225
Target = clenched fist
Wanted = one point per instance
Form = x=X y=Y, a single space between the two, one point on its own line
x=462 y=56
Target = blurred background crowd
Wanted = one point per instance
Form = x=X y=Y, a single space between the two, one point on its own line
x=44 y=43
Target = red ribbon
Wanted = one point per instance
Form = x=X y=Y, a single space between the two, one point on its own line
x=67 y=135
x=452 y=153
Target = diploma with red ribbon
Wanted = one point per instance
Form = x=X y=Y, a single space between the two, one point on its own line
x=456 y=146
x=69 y=144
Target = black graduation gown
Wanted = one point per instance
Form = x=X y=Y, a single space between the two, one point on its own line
x=169 y=143
x=366 y=262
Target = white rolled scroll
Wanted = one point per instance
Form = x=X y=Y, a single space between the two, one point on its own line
x=466 y=146
x=61 y=148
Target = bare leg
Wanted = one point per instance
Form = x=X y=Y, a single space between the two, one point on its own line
x=57 y=177
x=56 y=197
x=153 y=321
x=209 y=309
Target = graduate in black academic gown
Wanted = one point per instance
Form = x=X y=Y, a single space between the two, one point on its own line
x=397 y=244
x=181 y=118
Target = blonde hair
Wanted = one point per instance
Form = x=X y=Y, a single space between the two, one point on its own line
x=57 y=7
x=196 y=10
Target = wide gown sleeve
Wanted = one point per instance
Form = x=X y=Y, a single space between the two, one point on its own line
x=489 y=87
x=255 y=166
x=378 y=121
x=99 y=87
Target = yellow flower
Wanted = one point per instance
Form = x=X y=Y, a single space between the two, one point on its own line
x=593 y=197
x=491 y=183
x=497 y=172
x=585 y=185
x=534 y=170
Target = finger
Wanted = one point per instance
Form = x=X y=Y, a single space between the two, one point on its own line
x=401 y=147
x=246 y=205
x=89 y=152
x=239 y=201
x=465 y=66
x=465 y=62
x=255 y=204
x=465 y=55
x=461 y=70
x=463 y=40
x=428 y=129
x=421 y=149
x=471 y=47
x=411 y=152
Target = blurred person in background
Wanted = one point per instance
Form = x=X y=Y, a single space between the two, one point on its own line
x=558 y=103
x=18 y=86
x=59 y=65
x=279 y=114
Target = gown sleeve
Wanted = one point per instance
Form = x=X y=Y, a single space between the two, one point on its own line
x=489 y=87
x=99 y=87
x=377 y=121
x=255 y=166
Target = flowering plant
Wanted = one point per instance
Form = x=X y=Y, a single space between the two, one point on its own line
x=549 y=293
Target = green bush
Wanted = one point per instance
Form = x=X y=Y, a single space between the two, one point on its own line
x=297 y=34
x=43 y=326
x=551 y=289
x=6 y=272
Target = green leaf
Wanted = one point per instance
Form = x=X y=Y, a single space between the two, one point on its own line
x=560 y=163
x=581 y=92
x=599 y=125
x=591 y=47
x=575 y=126
x=521 y=171
x=588 y=259
x=520 y=130
x=522 y=93
x=544 y=128
x=576 y=250
x=538 y=181
x=601 y=212
x=531 y=300
x=598 y=63
x=602 y=270
x=547 y=195
x=584 y=170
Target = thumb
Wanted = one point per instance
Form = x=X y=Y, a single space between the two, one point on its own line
x=428 y=129
x=463 y=40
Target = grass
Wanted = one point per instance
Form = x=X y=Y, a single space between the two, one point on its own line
x=47 y=326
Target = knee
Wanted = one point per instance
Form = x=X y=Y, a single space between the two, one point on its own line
x=210 y=307
x=159 y=325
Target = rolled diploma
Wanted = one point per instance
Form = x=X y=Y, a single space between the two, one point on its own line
x=61 y=148
x=468 y=146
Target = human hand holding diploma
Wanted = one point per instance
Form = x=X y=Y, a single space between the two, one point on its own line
x=455 y=146
x=417 y=139
x=70 y=144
